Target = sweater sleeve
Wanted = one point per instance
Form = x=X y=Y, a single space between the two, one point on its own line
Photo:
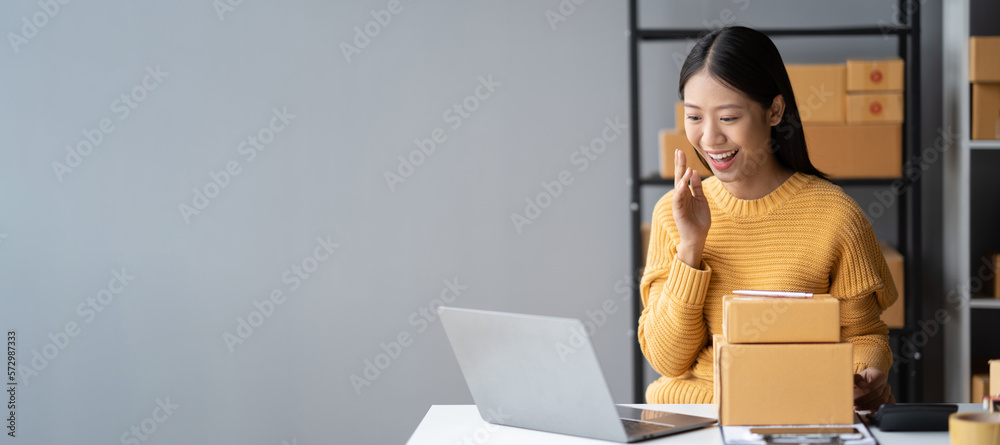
x=862 y=281
x=672 y=328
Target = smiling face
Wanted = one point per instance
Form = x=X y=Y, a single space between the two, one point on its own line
x=733 y=133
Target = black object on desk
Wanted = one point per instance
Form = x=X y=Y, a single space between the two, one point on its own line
x=913 y=416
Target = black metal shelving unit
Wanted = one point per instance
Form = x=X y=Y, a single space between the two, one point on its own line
x=907 y=381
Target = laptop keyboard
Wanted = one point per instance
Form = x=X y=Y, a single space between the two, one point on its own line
x=642 y=429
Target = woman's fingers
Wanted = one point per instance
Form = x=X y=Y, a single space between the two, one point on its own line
x=695 y=184
x=680 y=165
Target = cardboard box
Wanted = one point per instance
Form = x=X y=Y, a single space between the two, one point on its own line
x=784 y=384
x=679 y=117
x=856 y=151
x=644 y=231
x=994 y=377
x=984 y=59
x=996 y=275
x=819 y=91
x=874 y=75
x=867 y=108
x=895 y=316
x=986 y=110
x=980 y=387
x=748 y=319
x=671 y=140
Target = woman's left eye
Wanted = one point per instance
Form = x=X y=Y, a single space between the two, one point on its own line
x=729 y=119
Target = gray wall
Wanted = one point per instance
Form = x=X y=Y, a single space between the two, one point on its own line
x=321 y=176
x=190 y=281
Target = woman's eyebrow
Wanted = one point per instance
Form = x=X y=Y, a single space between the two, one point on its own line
x=720 y=107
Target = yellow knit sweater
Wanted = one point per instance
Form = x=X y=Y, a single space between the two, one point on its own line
x=806 y=236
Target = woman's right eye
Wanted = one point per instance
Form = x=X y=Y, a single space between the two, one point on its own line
x=693 y=118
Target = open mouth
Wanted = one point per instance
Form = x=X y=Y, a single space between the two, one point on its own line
x=722 y=161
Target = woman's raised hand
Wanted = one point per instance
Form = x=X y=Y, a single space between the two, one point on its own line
x=691 y=212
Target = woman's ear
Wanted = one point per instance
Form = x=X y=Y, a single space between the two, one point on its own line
x=776 y=111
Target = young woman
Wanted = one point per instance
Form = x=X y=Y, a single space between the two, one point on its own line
x=767 y=220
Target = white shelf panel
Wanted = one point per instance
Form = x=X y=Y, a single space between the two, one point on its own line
x=984 y=145
x=984 y=303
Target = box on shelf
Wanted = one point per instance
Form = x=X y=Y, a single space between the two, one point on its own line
x=980 y=387
x=644 y=231
x=986 y=110
x=895 y=316
x=996 y=275
x=865 y=108
x=671 y=140
x=819 y=91
x=874 y=75
x=994 y=377
x=783 y=384
x=747 y=319
x=856 y=151
x=984 y=59
x=679 y=117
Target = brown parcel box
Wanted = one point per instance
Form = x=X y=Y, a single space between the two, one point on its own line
x=985 y=111
x=994 y=377
x=679 y=117
x=672 y=140
x=784 y=384
x=996 y=275
x=819 y=91
x=644 y=231
x=856 y=151
x=874 y=75
x=895 y=315
x=984 y=63
x=780 y=320
x=980 y=387
x=865 y=108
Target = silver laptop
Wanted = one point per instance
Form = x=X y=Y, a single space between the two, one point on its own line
x=541 y=373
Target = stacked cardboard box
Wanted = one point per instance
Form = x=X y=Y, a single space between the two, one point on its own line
x=895 y=316
x=995 y=377
x=671 y=140
x=984 y=73
x=980 y=387
x=852 y=116
x=780 y=361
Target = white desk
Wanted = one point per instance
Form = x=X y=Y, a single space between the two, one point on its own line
x=461 y=424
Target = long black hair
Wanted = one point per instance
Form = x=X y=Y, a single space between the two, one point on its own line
x=747 y=60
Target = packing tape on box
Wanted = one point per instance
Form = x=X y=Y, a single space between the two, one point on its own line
x=973 y=428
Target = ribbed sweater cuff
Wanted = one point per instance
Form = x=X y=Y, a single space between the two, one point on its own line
x=688 y=284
